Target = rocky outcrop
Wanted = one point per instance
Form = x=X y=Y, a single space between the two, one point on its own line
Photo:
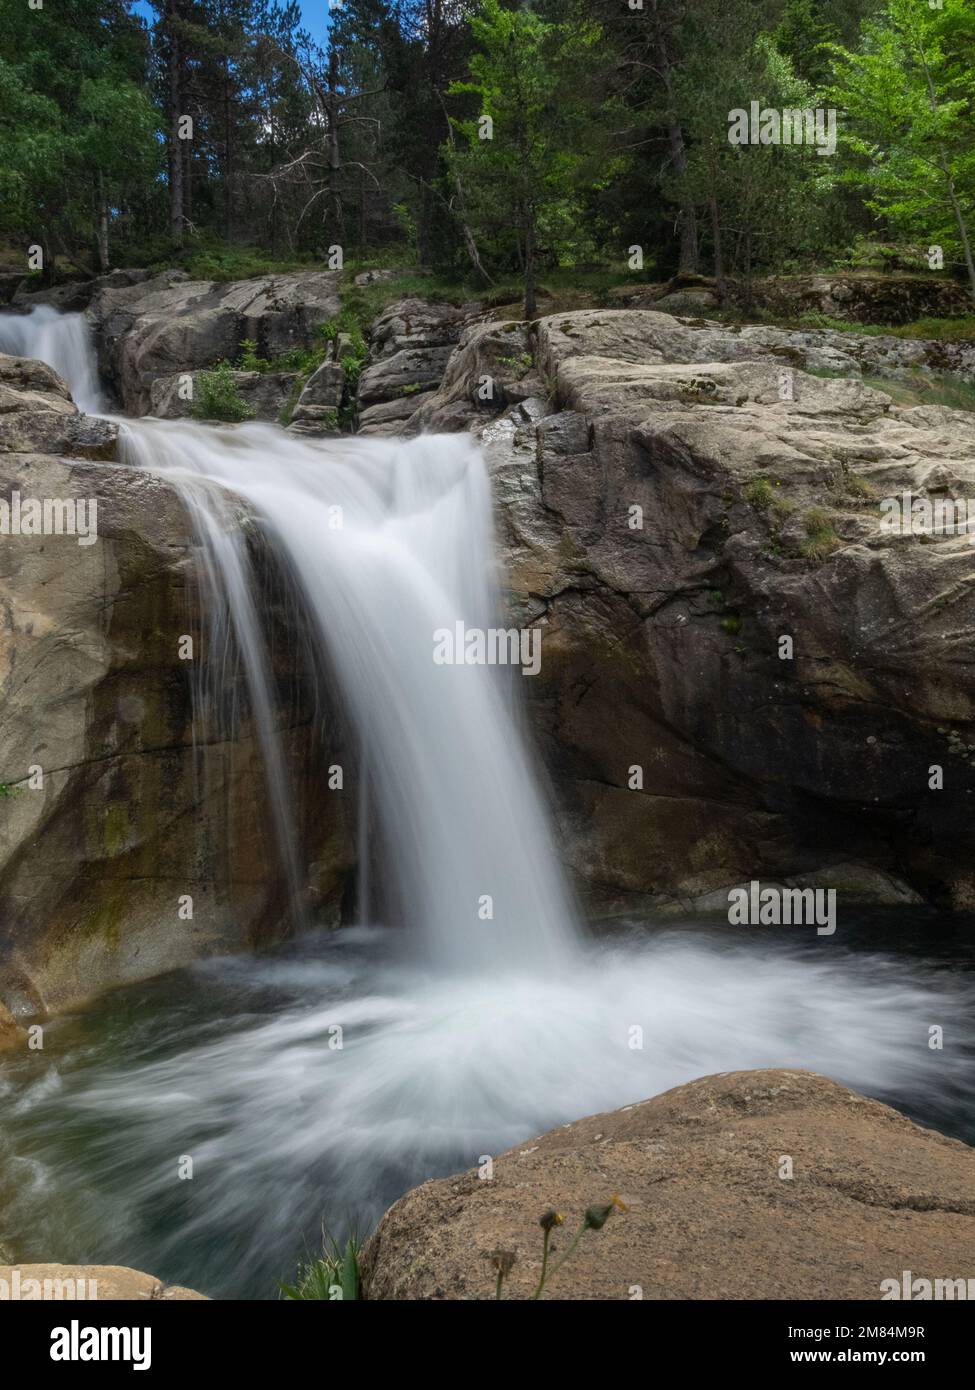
x=317 y=407
x=91 y=1283
x=410 y=345
x=745 y=1185
x=742 y=673
x=170 y=324
x=113 y=814
x=37 y=413
x=493 y=368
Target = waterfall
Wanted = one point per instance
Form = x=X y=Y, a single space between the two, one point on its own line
x=387 y=542
x=390 y=542
x=63 y=341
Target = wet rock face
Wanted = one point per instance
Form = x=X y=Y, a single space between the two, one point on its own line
x=109 y=813
x=169 y=324
x=742 y=673
x=708 y=1212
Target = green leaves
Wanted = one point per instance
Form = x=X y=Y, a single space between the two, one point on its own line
x=335 y=1276
x=909 y=97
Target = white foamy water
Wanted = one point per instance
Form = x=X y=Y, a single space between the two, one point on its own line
x=389 y=541
x=63 y=341
x=487 y=1031
x=241 y=1072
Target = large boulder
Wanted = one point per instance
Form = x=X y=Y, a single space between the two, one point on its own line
x=742 y=673
x=409 y=370
x=493 y=367
x=37 y=413
x=744 y=1185
x=115 y=807
x=170 y=324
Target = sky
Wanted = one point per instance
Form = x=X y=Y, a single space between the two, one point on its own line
x=314 y=13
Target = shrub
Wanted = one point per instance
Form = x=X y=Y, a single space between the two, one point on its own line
x=216 y=396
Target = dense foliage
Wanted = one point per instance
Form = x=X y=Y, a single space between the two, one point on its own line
x=484 y=139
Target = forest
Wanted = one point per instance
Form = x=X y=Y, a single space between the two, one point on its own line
x=485 y=141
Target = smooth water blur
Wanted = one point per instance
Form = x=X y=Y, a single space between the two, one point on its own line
x=388 y=541
x=63 y=341
x=235 y=1064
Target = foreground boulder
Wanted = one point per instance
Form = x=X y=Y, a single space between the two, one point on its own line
x=97 y=1283
x=709 y=1214
x=744 y=673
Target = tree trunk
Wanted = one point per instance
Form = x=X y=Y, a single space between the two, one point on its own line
x=187 y=147
x=460 y=211
x=530 y=307
x=333 y=197
x=228 y=152
x=719 y=275
x=175 y=144
x=689 y=256
x=362 y=212
x=101 y=225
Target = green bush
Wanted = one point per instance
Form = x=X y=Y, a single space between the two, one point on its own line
x=216 y=396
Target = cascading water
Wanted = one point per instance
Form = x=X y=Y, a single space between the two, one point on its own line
x=495 y=1027
x=63 y=341
x=388 y=543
